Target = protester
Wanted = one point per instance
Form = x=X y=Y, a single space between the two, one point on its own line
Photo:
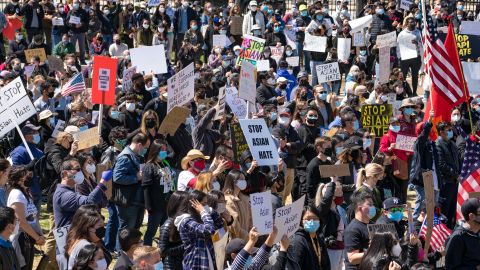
x=8 y=226
x=129 y=240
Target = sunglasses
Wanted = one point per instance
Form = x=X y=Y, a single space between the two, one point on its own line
x=396 y=209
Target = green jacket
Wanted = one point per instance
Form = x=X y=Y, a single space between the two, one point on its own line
x=61 y=49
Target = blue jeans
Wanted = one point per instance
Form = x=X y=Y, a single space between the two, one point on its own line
x=335 y=87
x=129 y=217
x=420 y=199
x=154 y=221
x=108 y=39
x=313 y=67
x=55 y=40
x=306 y=56
x=111 y=228
x=80 y=37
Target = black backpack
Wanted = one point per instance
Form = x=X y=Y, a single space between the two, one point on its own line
x=45 y=172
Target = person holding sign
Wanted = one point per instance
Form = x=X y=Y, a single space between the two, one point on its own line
x=77 y=21
x=410 y=49
x=392 y=213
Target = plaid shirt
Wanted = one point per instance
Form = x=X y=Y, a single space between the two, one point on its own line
x=258 y=261
x=197 y=239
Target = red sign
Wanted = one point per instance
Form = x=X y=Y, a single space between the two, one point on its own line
x=103 y=81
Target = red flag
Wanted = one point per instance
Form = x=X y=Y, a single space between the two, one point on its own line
x=451 y=47
x=104 y=78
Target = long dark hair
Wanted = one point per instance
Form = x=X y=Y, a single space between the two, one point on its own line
x=85 y=257
x=213 y=197
x=177 y=205
x=82 y=222
x=155 y=148
x=380 y=250
x=230 y=179
x=199 y=196
x=15 y=177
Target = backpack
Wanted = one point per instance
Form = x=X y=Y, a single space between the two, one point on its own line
x=45 y=172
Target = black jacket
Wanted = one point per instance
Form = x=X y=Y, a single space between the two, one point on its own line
x=379 y=23
x=307 y=134
x=205 y=139
x=296 y=147
x=28 y=11
x=107 y=27
x=314 y=179
x=266 y=95
x=130 y=120
x=448 y=160
x=18 y=49
x=153 y=191
x=172 y=252
x=123 y=262
x=84 y=19
x=462 y=250
x=301 y=254
x=399 y=226
x=181 y=143
x=329 y=219
x=8 y=258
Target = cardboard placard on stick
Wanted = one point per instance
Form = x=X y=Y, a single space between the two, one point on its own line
x=173 y=120
x=334 y=170
x=429 y=202
x=88 y=138
x=40 y=52
x=55 y=63
x=239 y=143
x=377 y=228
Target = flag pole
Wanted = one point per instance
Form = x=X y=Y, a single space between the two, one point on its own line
x=424 y=19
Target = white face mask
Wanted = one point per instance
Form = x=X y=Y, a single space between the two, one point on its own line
x=101 y=265
x=455 y=118
x=221 y=208
x=162 y=10
x=271 y=81
x=91 y=168
x=396 y=250
x=78 y=178
x=146 y=26
x=241 y=184
x=207 y=208
x=15 y=231
x=253 y=8
x=130 y=106
x=216 y=185
x=284 y=121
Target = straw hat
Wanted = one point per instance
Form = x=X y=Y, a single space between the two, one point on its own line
x=191 y=155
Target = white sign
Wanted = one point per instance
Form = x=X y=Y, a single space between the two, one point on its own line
x=262 y=213
x=75 y=20
x=149 y=58
x=263 y=65
x=384 y=62
x=127 y=78
x=357 y=25
x=260 y=141
x=405 y=143
x=344 y=46
x=387 y=40
x=15 y=105
x=290 y=36
x=315 y=43
x=471 y=70
x=181 y=87
x=60 y=235
x=293 y=61
x=287 y=218
x=220 y=107
x=221 y=40
x=470 y=28
x=328 y=72
x=236 y=104
x=408 y=49
x=104 y=79
x=60 y=126
x=29 y=70
x=392 y=97
x=57 y=21
x=405 y=4
x=248 y=82
x=277 y=52
x=153 y=3
x=358 y=39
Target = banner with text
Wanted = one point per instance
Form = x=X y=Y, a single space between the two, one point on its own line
x=252 y=49
x=376 y=117
x=260 y=141
x=181 y=87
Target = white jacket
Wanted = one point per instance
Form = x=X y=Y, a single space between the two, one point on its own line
x=248 y=22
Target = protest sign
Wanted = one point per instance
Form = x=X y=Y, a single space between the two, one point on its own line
x=60 y=235
x=248 y=82
x=57 y=21
x=360 y=23
x=430 y=205
x=220 y=108
x=290 y=36
x=15 y=105
x=334 y=170
x=470 y=28
x=375 y=118
x=262 y=213
x=468 y=46
x=392 y=97
x=344 y=46
x=252 y=49
x=75 y=20
x=221 y=40
x=384 y=62
x=293 y=61
x=277 y=52
x=380 y=228
x=153 y=3
x=263 y=65
x=408 y=49
x=104 y=80
x=474 y=195
x=127 y=78
x=328 y=72
x=314 y=43
x=387 y=40
x=239 y=143
x=260 y=141
x=219 y=248
x=358 y=39
x=288 y=217
x=149 y=58
x=181 y=87
x=471 y=71
x=60 y=126
x=405 y=143
x=88 y=138
x=236 y=25
x=173 y=120
x=55 y=63
x=405 y=4
x=236 y=104
x=29 y=70
x=40 y=52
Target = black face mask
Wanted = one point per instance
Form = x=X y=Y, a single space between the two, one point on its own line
x=303 y=97
x=28 y=181
x=328 y=151
x=100 y=232
x=312 y=121
x=303 y=82
x=140 y=85
x=280 y=188
x=282 y=86
x=117 y=41
x=150 y=123
x=51 y=94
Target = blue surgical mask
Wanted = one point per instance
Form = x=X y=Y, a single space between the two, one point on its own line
x=367 y=143
x=83 y=128
x=162 y=155
x=75 y=6
x=114 y=114
x=450 y=134
x=372 y=211
x=319 y=17
x=408 y=111
x=273 y=116
x=122 y=142
x=460 y=7
x=418 y=16
x=143 y=152
x=304 y=13
x=395 y=129
x=323 y=96
x=52 y=121
x=363 y=53
x=158 y=266
x=338 y=150
x=395 y=216
x=356 y=125
x=311 y=226
x=338 y=103
x=380 y=11
x=36 y=138
x=276 y=29
x=248 y=165
x=194 y=27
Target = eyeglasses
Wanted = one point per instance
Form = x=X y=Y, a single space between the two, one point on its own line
x=396 y=209
x=76 y=169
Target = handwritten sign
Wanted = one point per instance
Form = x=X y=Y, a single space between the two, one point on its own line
x=384 y=62
x=127 y=78
x=379 y=228
x=263 y=65
x=248 y=82
x=277 y=52
x=262 y=213
x=221 y=40
x=334 y=170
x=220 y=108
x=60 y=126
x=293 y=61
x=60 y=235
x=376 y=117
x=29 y=70
x=288 y=217
x=40 y=52
x=260 y=141
x=314 y=43
x=239 y=143
x=236 y=104
x=57 y=21
x=55 y=63
x=405 y=143
x=236 y=25
x=358 y=39
x=328 y=72
x=252 y=49
x=173 y=120
x=153 y=3
x=387 y=40
x=181 y=87
x=88 y=138
x=344 y=46
x=405 y=4
x=75 y=20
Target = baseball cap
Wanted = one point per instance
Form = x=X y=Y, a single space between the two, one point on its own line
x=281 y=80
x=44 y=114
x=391 y=202
x=353 y=142
x=29 y=129
x=302 y=7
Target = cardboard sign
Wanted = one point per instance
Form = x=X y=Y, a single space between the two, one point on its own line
x=338 y=170
x=236 y=104
x=408 y=50
x=57 y=21
x=262 y=213
x=221 y=40
x=173 y=120
x=153 y=3
x=75 y=20
x=181 y=87
x=277 y=52
x=248 y=82
x=263 y=65
x=344 y=46
x=379 y=228
x=405 y=143
x=470 y=28
x=314 y=43
x=60 y=126
x=220 y=108
x=236 y=23
x=40 y=52
x=405 y=4
x=55 y=63
x=387 y=40
x=358 y=39
x=149 y=58
x=60 y=235
x=430 y=205
x=471 y=71
x=104 y=80
x=384 y=62
x=127 y=78
x=252 y=49
x=15 y=105
x=375 y=118
x=288 y=217
x=474 y=195
x=239 y=143
x=260 y=141
x=360 y=23
x=293 y=61
x=328 y=72
x=88 y=138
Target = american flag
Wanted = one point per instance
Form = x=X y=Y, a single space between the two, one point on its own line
x=74 y=85
x=440 y=233
x=470 y=174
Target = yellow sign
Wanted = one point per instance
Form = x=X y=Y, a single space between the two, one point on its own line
x=40 y=52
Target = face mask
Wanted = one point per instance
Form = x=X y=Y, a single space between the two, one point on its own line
x=83 y=128
x=363 y=53
x=338 y=150
x=216 y=185
x=36 y=138
x=450 y=134
x=145 y=26
x=162 y=10
x=323 y=96
x=121 y=143
x=366 y=143
x=460 y=7
x=356 y=125
x=114 y=114
x=372 y=211
x=19 y=37
x=253 y=9
x=52 y=121
x=273 y=116
x=284 y=121
x=28 y=181
x=75 y=6
x=221 y=207
x=241 y=184
x=408 y=111
x=311 y=226
x=276 y=29
x=91 y=168
x=319 y=17
x=418 y=16
x=304 y=13
x=459 y=17
x=326 y=10
x=101 y=265
x=130 y=106
x=455 y=118
x=78 y=178
x=194 y=27
x=143 y=152
x=338 y=103
x=150 y=123
x=158 y=266
x=380 y=11
x=106 y=12
x=199 y=165
x=312 y=119
x=226 y=64
x=17 y=67
x=237 y=52
x=161 y=29
x=395 y=216
x=162 y=155
x=100 y=232
x=271 y=81
x=395 y=129
x=396 y=250
x=248 y=165
x=338 y=200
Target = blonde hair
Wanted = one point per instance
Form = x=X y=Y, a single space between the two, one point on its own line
x=143 y=253
x=319 y=195
x=203 y=182
x=371 y=170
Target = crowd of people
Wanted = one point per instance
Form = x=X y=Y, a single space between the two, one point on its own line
x=171 y=198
